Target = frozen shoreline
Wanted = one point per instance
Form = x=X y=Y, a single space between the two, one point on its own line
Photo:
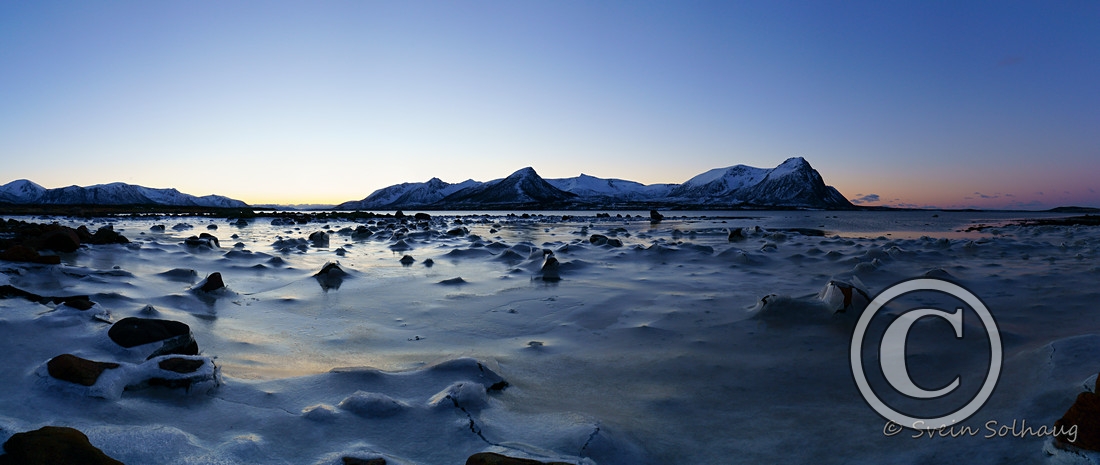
x=652 y=352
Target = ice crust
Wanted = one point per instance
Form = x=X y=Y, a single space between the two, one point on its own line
x=678 y=347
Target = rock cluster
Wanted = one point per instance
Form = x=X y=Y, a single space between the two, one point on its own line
x=22 y=241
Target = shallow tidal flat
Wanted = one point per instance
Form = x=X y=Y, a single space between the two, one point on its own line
x=646 y=343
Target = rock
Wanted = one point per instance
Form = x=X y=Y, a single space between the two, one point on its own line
x=615 y=242
x=407 y=260
x=157 y=228
x=180 y=365
x=24 y=254
x=362 y=232
x=175 y=336
x=492 y=458
x=598 y=239
x=203 y=240
x=212 y=227
x=61 y=240
x=8 y=291
x=1085 y=415
x=68 y=367
x=331 y=276
x=422 y=216
x=319 y=239
x=655 y=217
x=106 y=235
x=79 y=302
x=429 y=262
x=457 y=231
x=53 y=445
x=840 y=296
x=212 y=282
x=735 y=235
x=550 y=268
x=453 y=281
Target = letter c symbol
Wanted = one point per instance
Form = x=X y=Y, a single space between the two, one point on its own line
x=892 y=352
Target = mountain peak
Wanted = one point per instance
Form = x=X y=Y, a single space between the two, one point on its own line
x=524 y=172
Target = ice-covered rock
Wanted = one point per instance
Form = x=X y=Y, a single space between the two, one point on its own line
x=372 y=404
x=465 y=395
x=841 y=296
x=195 y=374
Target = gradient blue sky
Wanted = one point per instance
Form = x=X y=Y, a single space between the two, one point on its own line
x=949 y=104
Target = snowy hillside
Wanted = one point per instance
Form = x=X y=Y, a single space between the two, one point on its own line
x=523 y=187
x=23 y=192
x=407 y=195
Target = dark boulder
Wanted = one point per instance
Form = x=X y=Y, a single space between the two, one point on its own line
x=1084 y=414
x=79 y=302
x=655 y=217
x=53 y=445
x=107 y=235
x=204 y=240
x=60 y=240
x=331 y=276
x=24 y=254
x=180 y=365
x=212 y=282
x=175 y=337
x=68 y=367
x=319 y=239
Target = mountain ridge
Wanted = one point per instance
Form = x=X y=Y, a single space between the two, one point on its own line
x=791 y=184
x=25 y=192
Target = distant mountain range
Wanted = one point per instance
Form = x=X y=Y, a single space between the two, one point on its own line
x=792 y=184
x=24 y=192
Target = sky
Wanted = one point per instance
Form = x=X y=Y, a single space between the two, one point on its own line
x=920 y=104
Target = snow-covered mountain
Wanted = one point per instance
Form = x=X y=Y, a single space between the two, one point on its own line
x=25 y=192
x=21 y=191
x=407 y=195
x=591 y=187
x=792 y=184
x=524 y=187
